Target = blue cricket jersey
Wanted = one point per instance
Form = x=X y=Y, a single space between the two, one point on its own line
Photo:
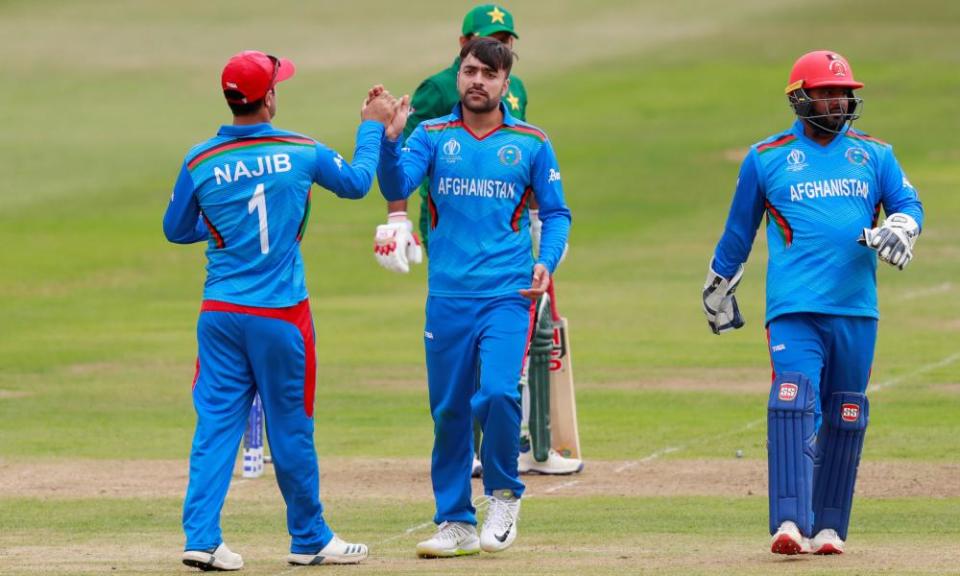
x=817 y=200
x=247 y=192
x=479 y=189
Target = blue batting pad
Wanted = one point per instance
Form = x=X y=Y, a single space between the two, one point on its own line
x=838 y=454
x=790 y=450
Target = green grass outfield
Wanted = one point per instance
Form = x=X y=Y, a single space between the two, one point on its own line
x=650 y=106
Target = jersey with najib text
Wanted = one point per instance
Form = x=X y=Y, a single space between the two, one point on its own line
x=247 y=192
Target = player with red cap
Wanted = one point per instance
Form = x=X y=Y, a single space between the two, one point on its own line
x=821 y=184
x=250 y=75
x=246 y=193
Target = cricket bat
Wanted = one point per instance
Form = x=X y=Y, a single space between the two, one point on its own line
x=565 y=435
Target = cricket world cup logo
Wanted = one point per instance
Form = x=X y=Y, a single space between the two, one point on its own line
x=788 y=392
x=796 y=160
x=849 y=412
x=451 y=151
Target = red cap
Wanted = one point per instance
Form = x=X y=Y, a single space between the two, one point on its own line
x=253 y=73
x=821 y=68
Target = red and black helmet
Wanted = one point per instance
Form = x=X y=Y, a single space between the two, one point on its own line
x=819 y=69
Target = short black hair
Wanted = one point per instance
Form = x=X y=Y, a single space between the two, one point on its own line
x=490 y=51
x=241 y=109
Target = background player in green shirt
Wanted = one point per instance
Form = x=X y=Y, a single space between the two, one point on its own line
x=396 y=245
x=437 y=95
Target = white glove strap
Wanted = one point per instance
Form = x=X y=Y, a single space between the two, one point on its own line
x=399 y=216
x=716 y=288
x=905 y=223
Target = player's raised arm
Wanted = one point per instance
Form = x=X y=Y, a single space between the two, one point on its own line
x=182 y=222
x=402 y=169
x=353 y=179
x=395 y=244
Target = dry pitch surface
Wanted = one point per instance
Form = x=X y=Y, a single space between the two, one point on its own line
x=365 y=482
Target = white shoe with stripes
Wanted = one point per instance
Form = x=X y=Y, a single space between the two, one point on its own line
x=335 y=552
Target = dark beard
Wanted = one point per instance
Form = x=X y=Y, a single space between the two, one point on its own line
x=834 y=122
x=828 y=126
x=831 y=123
x=488 y=105
x=824 y=127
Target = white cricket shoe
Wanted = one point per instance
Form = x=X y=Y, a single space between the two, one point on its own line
x=826 y=542
x=555 y=464
x=452 y=539
x=788 y=540
x=220 y=558
x=477 y=470
x=335 y=552
x=500 y=525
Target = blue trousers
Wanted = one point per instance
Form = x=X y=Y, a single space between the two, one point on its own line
x=460 y=334
x=244 y=350
x=834 y=352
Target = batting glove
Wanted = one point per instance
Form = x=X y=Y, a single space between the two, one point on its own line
x=395 y=244
x=719 y=303
x=893 y=240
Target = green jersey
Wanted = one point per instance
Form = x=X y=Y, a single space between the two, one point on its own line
x=436 y=96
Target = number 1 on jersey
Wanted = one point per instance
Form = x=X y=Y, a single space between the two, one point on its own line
x=258 y=202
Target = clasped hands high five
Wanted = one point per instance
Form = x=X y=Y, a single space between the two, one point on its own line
x=381 y=106
x=395 y=245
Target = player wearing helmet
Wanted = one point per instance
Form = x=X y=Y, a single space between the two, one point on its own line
x=821 y=93
x=821 y=184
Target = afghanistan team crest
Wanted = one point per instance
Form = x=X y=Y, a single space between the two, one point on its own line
x=509 y=155
x=857 y=156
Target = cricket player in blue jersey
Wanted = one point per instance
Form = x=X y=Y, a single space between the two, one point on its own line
x=821 y=184
x=246 y=192
x=396 y=245
x=483 y=167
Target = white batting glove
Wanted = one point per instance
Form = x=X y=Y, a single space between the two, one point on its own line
x=395 y=244
x=893 y=240
x=536 y=228
x=719 y=303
